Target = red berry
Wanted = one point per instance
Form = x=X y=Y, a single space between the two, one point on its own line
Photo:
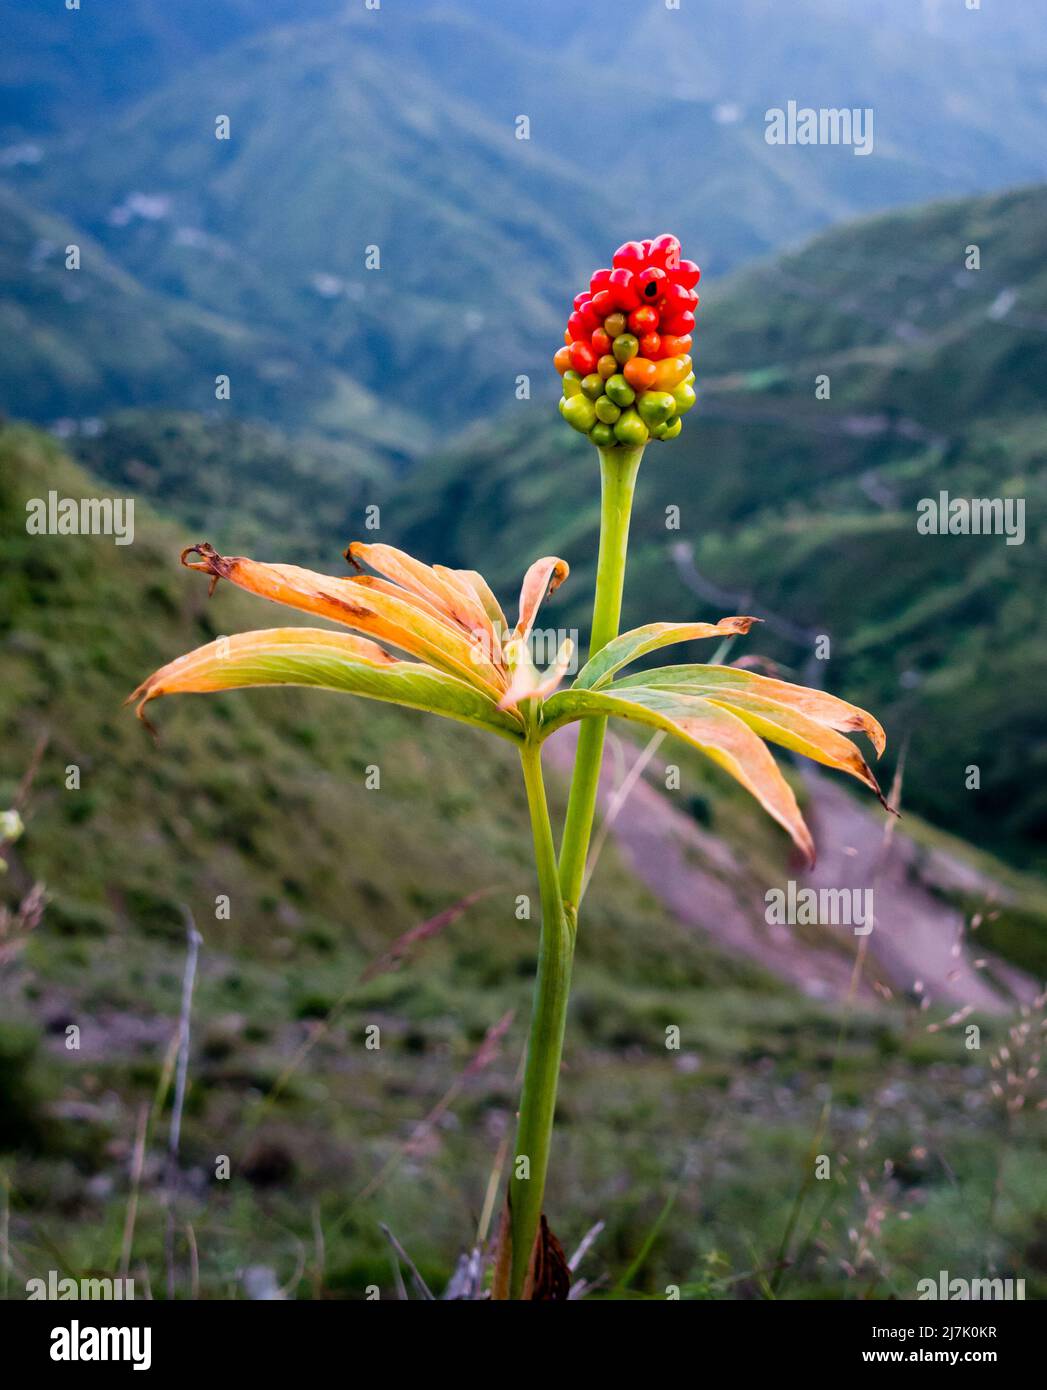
x=687 y=275
x=577 y=329
x=601 y=343
x=598 y=280
x=651 y=284
x=650 y=345
x=623 y=287
x=646 y=248
x=665 y=252
x=582 y=298
x=589 y=316
x=583 y=359
x=679 y=324
x=630 y=255
x=604 y=303
x=677 y=299
x=643 y=320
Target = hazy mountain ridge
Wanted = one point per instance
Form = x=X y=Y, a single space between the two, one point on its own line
x=78 y=342
x=483 y=236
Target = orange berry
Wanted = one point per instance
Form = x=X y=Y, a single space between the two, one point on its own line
x=670 y=372
x=640 y=373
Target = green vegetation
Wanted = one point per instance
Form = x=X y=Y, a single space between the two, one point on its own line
x=305 y=496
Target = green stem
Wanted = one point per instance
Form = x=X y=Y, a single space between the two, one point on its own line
x=561 y=885
x=545 y=1044
x=618 y=468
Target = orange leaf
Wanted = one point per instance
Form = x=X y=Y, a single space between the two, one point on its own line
x=827 y=710
x=543 y=578
x=718 y=733
x=359 y=604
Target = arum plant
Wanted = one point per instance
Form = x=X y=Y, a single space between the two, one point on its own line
x=435 y=638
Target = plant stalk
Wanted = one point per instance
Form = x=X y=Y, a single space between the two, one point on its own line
x=545 y=1043
x=618 y=469
x=561 y=884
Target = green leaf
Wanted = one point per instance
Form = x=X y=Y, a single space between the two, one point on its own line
x=641 y=640
x=332 y=660
x=715 y=731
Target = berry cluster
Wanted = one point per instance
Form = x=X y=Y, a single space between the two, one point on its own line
x=626 y=370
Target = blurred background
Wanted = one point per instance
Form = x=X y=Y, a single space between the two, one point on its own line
x=350 y=387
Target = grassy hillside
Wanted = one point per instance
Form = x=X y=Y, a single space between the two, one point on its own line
x=261 y=798
x=804 y=510
x=247 y=486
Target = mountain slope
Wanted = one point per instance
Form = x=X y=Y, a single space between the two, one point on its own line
x=476 y=229
x=80 y=342
x=807 y=508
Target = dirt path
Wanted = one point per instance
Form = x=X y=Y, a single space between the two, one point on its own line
x=918 y=943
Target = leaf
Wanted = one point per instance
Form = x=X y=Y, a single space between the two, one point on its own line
x=641 y=640
x=548 y=1274
x=366 y=604
x=542 y=579
x=827 y=710
x=791 y=729
x=489 y=603
x=482 y=627
x=463 y=608
x=333 y=660
x=718 y=733
x=503 y=1255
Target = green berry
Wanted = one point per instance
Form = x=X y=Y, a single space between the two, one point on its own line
x=626 y=345
x=619 y=390
x=684 y=397
x=607 y=366
x=579 y=412
x=655 y=407
x=606 y=410
x=614 y=324
x=592 y=386
x=668 y=429
x=602 y=435
x=572 y=383
x=630 y=429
